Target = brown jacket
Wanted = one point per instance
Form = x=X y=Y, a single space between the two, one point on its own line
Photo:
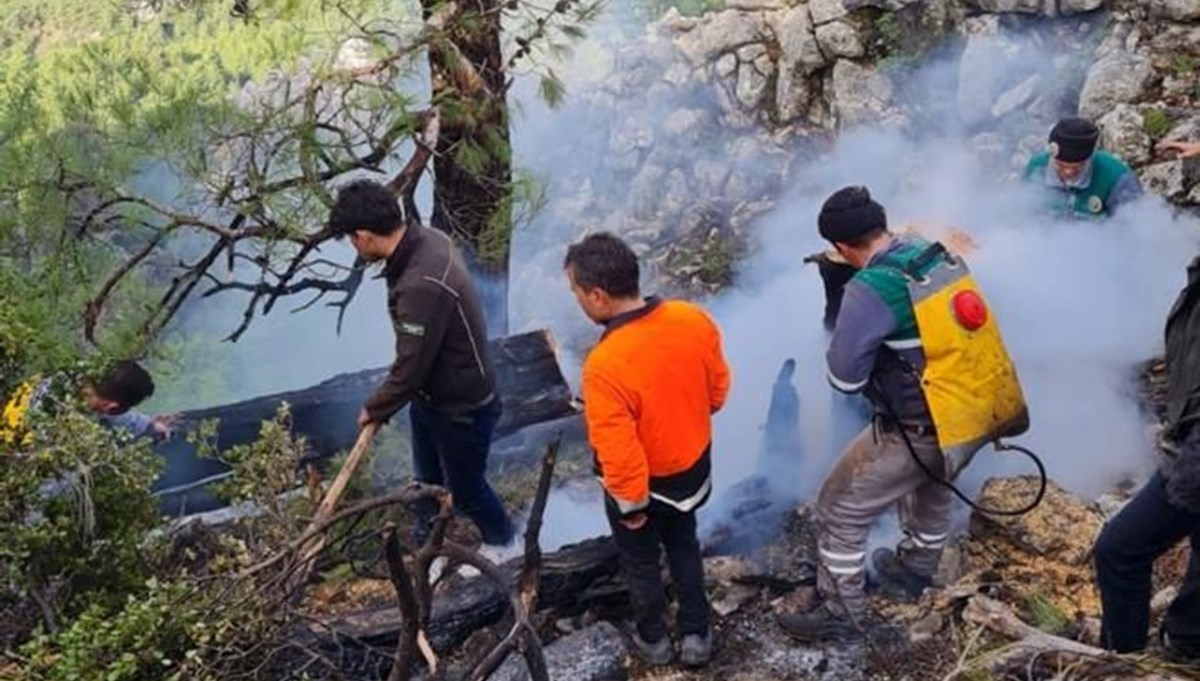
x=441 y=340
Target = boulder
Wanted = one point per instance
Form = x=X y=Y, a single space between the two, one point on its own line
x=988 y=75
x=1016 y=6
x=799 y=58
x=839 y=39
x=1069 y=7
x=1017 y=97
x=1175 y=10
x=1121 y=77
x=825 y=11
x=1123 y=132
x=1172 y=179
x=858 y=94
x=756 y=5
x=597 y=653
x=721 y=32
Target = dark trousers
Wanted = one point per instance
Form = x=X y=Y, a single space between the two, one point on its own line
x=641 y=552
x=1146 y=528
x=452 y=450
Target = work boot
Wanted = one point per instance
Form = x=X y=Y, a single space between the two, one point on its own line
x=895 y=579
x=1180 y=652
x=819 y=624
x=695 y=650
x=657 y=653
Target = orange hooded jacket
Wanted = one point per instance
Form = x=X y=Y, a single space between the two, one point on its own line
x=650 y=388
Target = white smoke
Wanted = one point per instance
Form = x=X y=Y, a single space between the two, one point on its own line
x=1080 y=304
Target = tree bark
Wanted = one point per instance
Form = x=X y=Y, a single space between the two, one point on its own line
x=472 y=199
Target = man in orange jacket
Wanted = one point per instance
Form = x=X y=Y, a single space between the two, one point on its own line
x=650 y=388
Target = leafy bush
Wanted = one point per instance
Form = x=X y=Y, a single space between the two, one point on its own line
x=1156 y=123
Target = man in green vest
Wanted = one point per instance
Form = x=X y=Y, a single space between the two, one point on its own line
x=875 y=349
x=1079 y=180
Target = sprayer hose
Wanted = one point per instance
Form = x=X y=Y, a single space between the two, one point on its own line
x=999 y=446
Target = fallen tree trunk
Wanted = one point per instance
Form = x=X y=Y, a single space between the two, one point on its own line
x=572 y=579
x=529 y=383
x=1031 y=644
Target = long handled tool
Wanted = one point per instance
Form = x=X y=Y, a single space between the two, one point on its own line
x=308 y=552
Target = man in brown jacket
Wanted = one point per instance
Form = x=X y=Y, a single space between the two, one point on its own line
x=442 y=370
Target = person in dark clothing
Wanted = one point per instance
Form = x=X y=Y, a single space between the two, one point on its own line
x=650 y=388
x=442 y=369
x=1165 y=511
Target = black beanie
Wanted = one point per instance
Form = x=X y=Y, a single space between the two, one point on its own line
x=1073 y=140
x=849 y=215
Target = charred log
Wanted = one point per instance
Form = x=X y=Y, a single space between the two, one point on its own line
x=529 y=382
x=574 y=579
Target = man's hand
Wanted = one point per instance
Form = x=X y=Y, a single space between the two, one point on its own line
x=635 y=522
x=1185 y=149
x=163 y=426
x=364 y=418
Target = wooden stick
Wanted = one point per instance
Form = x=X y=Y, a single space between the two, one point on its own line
x=1032 y=642
x=326 y=508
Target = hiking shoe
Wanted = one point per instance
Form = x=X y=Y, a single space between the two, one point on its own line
x=1180 y=652
x=818 y=624
x=893 y=578
x=502 y=553
x=657 y=653
x=695 y=650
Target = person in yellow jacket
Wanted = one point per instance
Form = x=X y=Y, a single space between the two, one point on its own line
x=111 y=396
x=650 y=388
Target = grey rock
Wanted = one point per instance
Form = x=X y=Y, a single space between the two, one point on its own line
x=726 y=66
x=633 y=134
x=1175 y=10
x=1123 y=133
x=858 y=94
x=710 y=176
x=839 y=39
x=1121 y=77
x=597 y=653
x=720 y=32
x=756 y=5
x=890 y=5
x=793 y=32
x=764 y=65
x=1166 y=179
x=749 y=53
x=1017 y=97
x=989 y=65
x=1017 y=6
x=825 y=11
x=1069 y=7
x=926 y=628
x=799 y=58
x=678 y=74
x=691 y=124
x=750 y=86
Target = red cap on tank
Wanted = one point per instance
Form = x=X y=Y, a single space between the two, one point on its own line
x=970 y=310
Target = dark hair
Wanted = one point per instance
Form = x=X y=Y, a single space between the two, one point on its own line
x=605 y=262
x=125 y=383
x=365 y=204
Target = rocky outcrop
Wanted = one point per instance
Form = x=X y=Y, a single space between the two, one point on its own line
x=702 y=118
x=1175 y=10
x=1120 y=77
